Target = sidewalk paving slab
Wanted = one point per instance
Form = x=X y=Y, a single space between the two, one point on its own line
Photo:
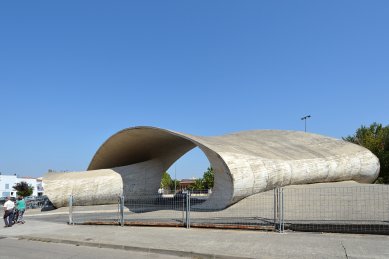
x=207 y=243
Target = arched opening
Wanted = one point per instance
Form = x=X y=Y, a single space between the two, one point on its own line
x=140 y=155
x=187 y=169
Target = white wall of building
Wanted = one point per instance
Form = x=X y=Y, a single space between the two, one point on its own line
x=7 y=181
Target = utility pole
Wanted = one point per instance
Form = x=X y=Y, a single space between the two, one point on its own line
x=305 y=121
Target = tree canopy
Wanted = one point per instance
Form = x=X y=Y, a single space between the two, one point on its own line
x=204 y=183
x=209 y=178
x=376 y=139
x=166 y=181
x=23 y=189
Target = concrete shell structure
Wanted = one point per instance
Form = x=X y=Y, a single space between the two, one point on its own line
x=132 y=162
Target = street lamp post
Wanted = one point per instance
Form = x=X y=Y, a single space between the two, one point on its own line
x=175 y=179
x=305 y=121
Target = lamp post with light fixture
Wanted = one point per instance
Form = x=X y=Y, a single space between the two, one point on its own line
x=305 y=121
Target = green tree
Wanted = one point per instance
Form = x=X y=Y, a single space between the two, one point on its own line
x=209 y=178
x=175 y=184
x=376 y=139
x=23 y=189
x=166 y=181
x=204 y=183
x=198 y=185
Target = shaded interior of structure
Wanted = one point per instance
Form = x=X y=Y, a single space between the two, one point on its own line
x=141 y=156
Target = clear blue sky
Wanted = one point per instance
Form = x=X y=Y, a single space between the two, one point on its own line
x=72 y=73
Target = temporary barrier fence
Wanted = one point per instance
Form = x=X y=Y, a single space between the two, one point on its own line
x=353 y=209
x=107 y=214
x=356 y=209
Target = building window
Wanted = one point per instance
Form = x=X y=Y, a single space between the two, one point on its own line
x=7 y=186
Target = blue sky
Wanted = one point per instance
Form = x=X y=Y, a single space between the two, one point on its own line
x=72 y=73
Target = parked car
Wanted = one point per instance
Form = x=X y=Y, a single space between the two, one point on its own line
x=29 y=199
x=31 y=202
x=41 y=200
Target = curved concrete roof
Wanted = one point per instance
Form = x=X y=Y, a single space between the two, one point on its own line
x=132 y=162
x=245 y=162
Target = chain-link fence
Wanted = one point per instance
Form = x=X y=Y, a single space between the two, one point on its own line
x=356 y=209
x=157 y=210
x=81 y=213
x=254 y=212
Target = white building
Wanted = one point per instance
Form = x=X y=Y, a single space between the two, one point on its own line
x=7 y=181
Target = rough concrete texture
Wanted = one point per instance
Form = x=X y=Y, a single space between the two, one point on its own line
x=94 y=187
x=132 y=161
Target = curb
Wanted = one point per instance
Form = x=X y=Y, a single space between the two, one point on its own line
x=132 y=248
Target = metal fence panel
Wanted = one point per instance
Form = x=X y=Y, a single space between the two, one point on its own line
x=357 y=209
x=253 y=212
x=103 y=214
x=157 y=210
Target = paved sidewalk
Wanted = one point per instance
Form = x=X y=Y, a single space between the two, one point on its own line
x=206 y=243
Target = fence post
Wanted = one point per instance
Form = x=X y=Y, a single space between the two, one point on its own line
x=121 y=210
x=281 y=202
x=71 y=222
x=183 y=209
x=279 y=209
x=187 y=210
x=275 y=208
